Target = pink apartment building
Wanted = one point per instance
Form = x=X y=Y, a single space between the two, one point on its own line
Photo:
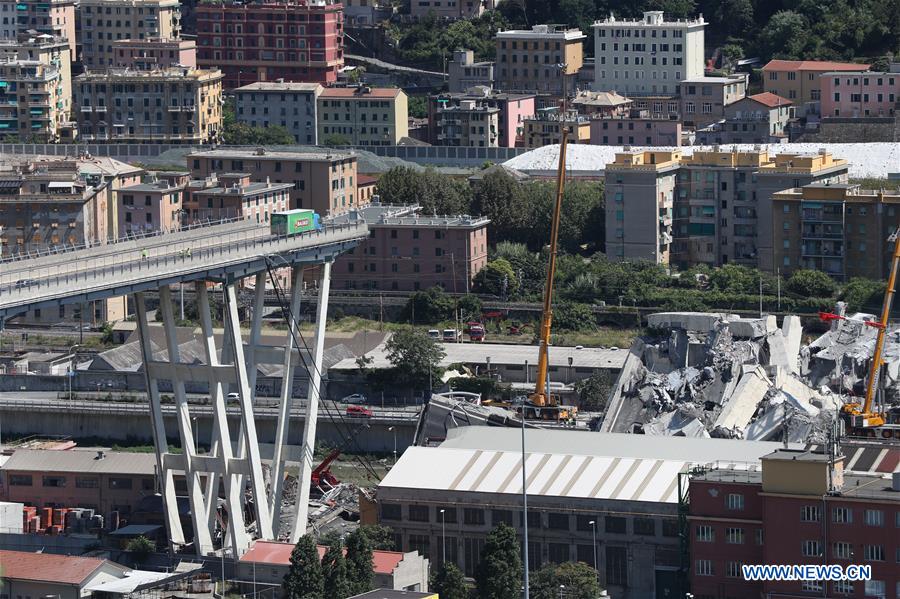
x=153 y=53
x=154 y=205
x=859 y=93
x=513 y=110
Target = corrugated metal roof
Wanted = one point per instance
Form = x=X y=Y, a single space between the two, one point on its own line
x=47 y=567
x=81 y=461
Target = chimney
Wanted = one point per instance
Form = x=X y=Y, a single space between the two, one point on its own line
x=100 y=455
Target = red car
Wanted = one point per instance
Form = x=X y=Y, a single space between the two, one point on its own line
x=359 y=412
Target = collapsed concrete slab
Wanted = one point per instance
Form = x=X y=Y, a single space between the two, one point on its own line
x=699 y=322
x=737 y=412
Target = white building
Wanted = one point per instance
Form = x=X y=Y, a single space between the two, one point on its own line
x=647 y=56
x=276 y=103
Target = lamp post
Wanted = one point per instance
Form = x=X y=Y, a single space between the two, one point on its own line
x=593 y=524
x=562 y=589
x=524 y=501
x=394 y=430
x=443 y=540
x=70 y=373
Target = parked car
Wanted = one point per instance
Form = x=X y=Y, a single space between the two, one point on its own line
x=234 y=395
x=450 y=335
x=359 y=412
x=434 y=333
x=356 y=398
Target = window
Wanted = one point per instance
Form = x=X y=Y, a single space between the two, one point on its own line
x=390 y=511
x=420 y=543
x=473 y=516
x=558 y=552
x=734 y=536
x=843 y=587
x=615 y=524
x=809 y=513
x=449 y=515
x=82 y=482
x=733 y=570
x=874 y=518
x=645 y=527
x=703 y=567
x=874 y=553
x=811 y=549
x=472 y=548
x=54 y=481
x=20 y=480
x=735 y=501
x=875 y=588
x=504 y=516
x=418 y=513
x=841 y=550
x=617 y=566
x=119 y=483
x=558 y=521
x=584 y=522
x=811 y=586
x=842 y=515
x=670 y=527
x=705 y=533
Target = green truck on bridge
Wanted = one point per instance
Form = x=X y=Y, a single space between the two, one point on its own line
x=292 y=222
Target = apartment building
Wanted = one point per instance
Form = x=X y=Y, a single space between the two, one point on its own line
x=463 y=72
x=233 y=195
x=449 y=9
x=289 y=105
x=757 y=119
x=172 y=105
x=640 y=190
x=34 y=103
x=799 y=81
x=363 y=116
x=294 y=40
x=154 y=53
x=600 y=104
x=546 y=126
x=454 y=115
x=722 y=200
x=859 y=93
x=152 y=205
x=105 y=21
x=366 y=13
x=648 y=55
x=48 y=17
x=324 y=182
x=636 y=127
x=408 y=251
x=704 y=100
x=544 y=59
x=802 y=508
x=837 y=228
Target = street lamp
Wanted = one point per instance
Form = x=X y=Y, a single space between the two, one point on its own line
x=593 y=524
x=562 y=589
x=70 y=374
x=394 y=430
x=195 y=434
x=443 y=540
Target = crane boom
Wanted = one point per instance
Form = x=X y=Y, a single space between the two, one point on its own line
x=541 y=395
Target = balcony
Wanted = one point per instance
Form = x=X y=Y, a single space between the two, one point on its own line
x=85 y=108
x=100 y=108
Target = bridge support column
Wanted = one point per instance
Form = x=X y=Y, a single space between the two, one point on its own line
x=312 y=407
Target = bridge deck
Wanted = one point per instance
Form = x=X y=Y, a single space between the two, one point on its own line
x=233 y=249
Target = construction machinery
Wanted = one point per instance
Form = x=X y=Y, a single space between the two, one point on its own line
x=322 y=477
x=542 y=404
x=864 y=420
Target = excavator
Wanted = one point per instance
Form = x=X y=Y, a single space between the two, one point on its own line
x=863 y=420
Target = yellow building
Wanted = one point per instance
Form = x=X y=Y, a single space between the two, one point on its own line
x=173 y=105
x=798 y=80
x=362 y=116
x=46 y=17
x=529 y=60
x=33 y=100
x=545 y=128
x=105 y=21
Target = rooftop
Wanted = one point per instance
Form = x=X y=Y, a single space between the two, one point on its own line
x=243 y=190
x=264 y=154
x=651 y=18
x=360 y=92
x=47 y=567
x=280 y=86
x=725 y=80
x=160 y=185
x=272 y=552
x=81 y=461
x=813 y=65
x=769 y=99
x=393 y=594
x=165 y=73
x=543 y=31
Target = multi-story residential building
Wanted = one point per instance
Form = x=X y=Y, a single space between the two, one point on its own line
x=454 y=115
x=758 y=119
x=544 y=59
x=33 y=100
x=800 y=508
x=289 y=105
x=173 y=105
x=799 y=81
x=722 y=202
x=705 y=99
x=105 y=21
x=859 y=93
x=600 y=104
x=640 y=190
x=153 y=205
x=154 y=53
x=637 y=127
x=449 y=9
x=463 y=72
x=648 y=55
x=366 y=13
x=363 y=116
x=545 y=127
x=233 y=195
x=322 y=182
x=407 y=251
x=294 y=40
x=49 y=17
x=837 y=228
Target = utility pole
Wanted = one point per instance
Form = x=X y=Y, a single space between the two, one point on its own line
x=381 y=312
x=778 y=278
x=760 y=296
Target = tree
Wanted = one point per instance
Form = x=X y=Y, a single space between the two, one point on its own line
x=499 y=573
x=415 y=357
x=785 y=35
x=448 y=582
x=569 y=316
x=140 y=547
x=594 y=391
x=469 y=307
x=106 y=337
x=360 y=570
x=862 y=294
x=380 y=537
x=734 y=18
x=529 y=268
x=429 y=306
x=334 y=568
x=578 y=578
x=304 y=579
x=811 y=283
x=434 y=192
x=334 y=139
x=496 y=278
x=500 y=198
x=418 y=106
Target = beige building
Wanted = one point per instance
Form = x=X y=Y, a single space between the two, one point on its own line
x=449 y=9
x=468 y=124
x=286 y=104
x=153 y=205
x=704 y=99
x=529 y=60
x=323 y=182
x=798 y=81
x=839 y=229
x=35 y=94
x=171 y=105
x=50 y=17
x=463 y=72
x=105 y=21
x=545 y=128
x=363 y=116
x=153 y=53
x=234 y=195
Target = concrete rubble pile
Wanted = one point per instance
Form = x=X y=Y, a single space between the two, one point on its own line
x=719 y=375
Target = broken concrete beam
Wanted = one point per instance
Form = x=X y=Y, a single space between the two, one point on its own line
x=699 y=322
x=740 y=407
x=792 y=329
x=779 y=357
x=767 y=426
x=751 y=328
